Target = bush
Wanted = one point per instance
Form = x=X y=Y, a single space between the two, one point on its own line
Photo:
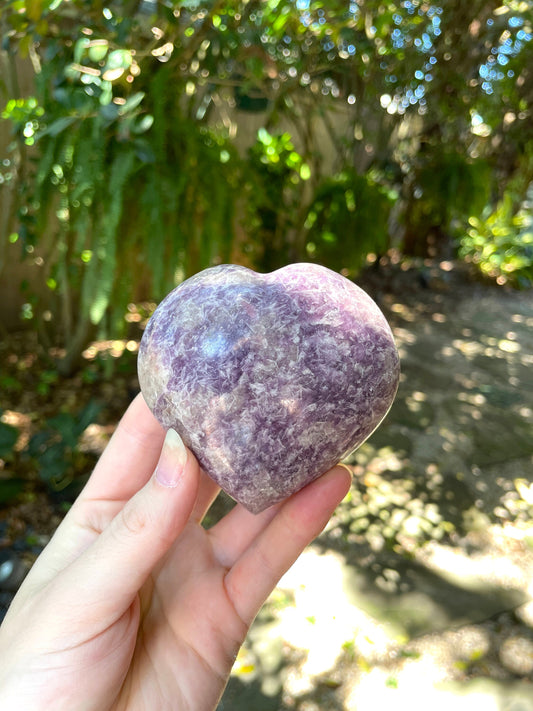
x=348 y=219
x=501 y=244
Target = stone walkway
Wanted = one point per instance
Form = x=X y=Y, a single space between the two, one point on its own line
x=419 y=594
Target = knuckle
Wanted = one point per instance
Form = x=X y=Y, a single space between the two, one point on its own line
x=133 y=521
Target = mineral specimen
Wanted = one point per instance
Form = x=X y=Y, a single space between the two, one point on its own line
x=269 y=379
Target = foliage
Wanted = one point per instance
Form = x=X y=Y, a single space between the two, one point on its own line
x=445 y=190
x=348 y=219
x=277 y=199
x=10 y=487
x=129 y=168
x=53 y=452
x=113 y=199
x=500 y=239
x=56 y=447
x=8 y=439
x=501 y=244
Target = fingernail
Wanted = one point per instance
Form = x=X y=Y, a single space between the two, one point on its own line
x=345 y=466
x=172 y=461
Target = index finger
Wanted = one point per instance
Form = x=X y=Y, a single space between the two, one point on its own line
x=130 y=458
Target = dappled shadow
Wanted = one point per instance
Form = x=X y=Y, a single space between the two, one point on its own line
x=460 y=433
x=413 y=598
x=243 y=696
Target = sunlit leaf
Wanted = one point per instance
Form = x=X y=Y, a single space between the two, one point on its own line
x=118 y=59
x=132 y=102
x=106 y=97
x=98 y=50
x=34 y=9
x=24 y=45
x=113 y=74
x=80 y=48
x=305 y=171
x=144 y=124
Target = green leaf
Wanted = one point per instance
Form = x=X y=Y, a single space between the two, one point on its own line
x=144 y=151
x=65 y=424
x=53 y=464
x=98 y=50
x=24 y=45
x=106 y=97
x=131 y=103
x=110 y=112
x=107 y=248
x=88 y=415
x=8 y=439
x=57 y=126
x=118 y=59
x=10 y=489
x=34 y=9
x=281 y=20
x=101 y=300
x=81 y=46
x=305 y=171
x=144 y=124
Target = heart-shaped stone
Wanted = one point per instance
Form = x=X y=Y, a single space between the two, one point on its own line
x=269 y=379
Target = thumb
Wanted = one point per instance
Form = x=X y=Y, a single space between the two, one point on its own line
x=118 y=563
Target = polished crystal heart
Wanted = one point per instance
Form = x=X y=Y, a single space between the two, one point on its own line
x=269 y=379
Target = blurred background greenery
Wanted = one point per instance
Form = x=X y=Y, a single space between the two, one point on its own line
x=144 y=141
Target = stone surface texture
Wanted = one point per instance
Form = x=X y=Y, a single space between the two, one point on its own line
x=269 y=379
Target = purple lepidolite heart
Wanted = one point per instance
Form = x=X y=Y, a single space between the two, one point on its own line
x=269 y=379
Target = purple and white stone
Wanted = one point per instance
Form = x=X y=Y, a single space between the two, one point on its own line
x=269 y=379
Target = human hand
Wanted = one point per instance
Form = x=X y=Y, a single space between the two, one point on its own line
x=133 y=604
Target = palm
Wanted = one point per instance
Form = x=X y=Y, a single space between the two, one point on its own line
x=190 y=626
